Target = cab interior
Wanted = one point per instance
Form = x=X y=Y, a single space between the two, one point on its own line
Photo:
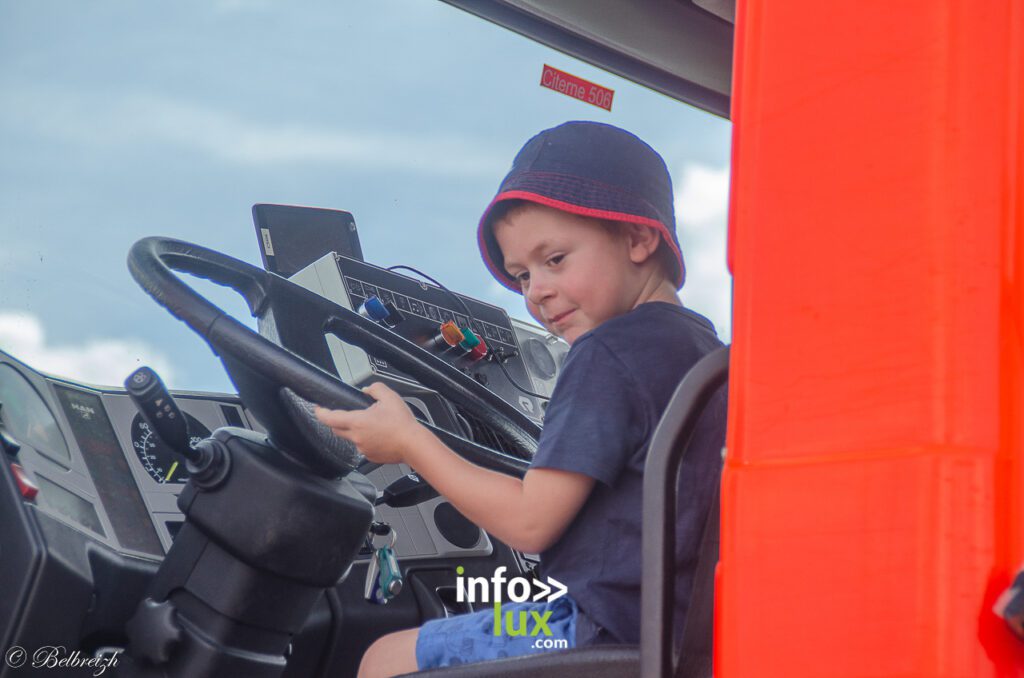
x=102 y=579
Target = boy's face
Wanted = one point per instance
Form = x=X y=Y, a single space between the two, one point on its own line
x=575 y=273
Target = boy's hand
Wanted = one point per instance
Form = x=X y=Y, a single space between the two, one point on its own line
x=383 y=432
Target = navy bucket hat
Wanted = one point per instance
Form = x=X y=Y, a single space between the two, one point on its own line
x=593 y=170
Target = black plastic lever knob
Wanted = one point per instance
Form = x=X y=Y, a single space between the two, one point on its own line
x=409 y=490
x=158 y=408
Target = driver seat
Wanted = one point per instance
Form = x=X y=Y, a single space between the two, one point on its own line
x=654 y=656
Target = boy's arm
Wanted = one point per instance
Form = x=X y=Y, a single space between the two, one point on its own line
x=529 y=514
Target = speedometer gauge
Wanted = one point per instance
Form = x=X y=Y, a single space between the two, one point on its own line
x=159 y=460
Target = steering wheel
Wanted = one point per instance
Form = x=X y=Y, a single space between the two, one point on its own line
x=269 y=377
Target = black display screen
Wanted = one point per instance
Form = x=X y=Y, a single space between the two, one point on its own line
x=292 y=237
x=109 y=469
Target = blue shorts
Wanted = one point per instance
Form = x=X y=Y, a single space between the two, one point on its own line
x=526 y=628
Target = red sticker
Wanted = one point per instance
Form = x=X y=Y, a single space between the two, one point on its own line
x=577 y=88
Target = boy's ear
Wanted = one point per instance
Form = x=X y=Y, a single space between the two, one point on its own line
x=643 y=241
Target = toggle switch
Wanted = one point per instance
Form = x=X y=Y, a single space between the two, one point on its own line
x=394 y=317
x=9 y=444
x=26 y=485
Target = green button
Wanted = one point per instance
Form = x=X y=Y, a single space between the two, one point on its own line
x=470 y=341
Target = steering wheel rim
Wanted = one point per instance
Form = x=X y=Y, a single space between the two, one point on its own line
x=260 y=369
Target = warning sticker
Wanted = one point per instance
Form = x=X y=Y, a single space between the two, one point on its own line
x=268 y=245
x=578 y=88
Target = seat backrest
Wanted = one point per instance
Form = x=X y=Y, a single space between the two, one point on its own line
x=696 y=649
x=657 y=597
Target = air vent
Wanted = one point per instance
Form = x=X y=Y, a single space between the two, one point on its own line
x=482 y=434
x=542 y=353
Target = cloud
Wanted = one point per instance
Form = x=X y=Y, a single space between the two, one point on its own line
x=137 y=119
x=98 y=361
x=703 y=195
x=702 y=203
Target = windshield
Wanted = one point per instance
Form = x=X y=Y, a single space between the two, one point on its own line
x=124 y=120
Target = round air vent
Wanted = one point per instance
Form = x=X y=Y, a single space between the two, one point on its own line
x=455 y=527
x=539 y=359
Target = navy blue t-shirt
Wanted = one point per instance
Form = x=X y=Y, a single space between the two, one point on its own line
x=614 y=386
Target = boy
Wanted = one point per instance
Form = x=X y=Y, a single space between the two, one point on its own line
x=583 y=228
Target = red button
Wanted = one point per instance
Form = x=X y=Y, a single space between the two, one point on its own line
x=478 y=351
x=28 y=489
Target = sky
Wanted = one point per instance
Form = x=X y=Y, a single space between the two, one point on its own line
x=125 y=119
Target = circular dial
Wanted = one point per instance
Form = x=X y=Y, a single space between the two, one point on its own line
x=539 y=358
x=160 y=462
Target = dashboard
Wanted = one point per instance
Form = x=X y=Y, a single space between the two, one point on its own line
x=90 y=494
x=99 y=468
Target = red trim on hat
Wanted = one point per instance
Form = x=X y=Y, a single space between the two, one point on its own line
x=499 y=273
x=503 y=277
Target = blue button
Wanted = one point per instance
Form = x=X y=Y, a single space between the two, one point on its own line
x=373 y=308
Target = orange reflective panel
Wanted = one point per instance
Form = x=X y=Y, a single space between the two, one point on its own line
x=872 y=497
